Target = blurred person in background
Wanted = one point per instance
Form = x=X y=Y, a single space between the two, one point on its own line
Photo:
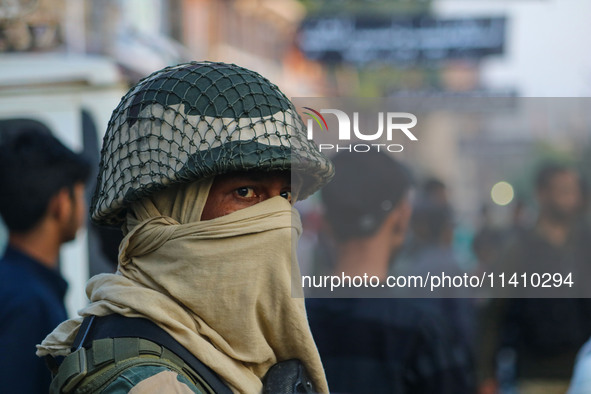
x=540 y=337
x=581 y=380
x=487 y=245
x=42 y=204
x=436 y=191
x=379 y=345
x=430 y=250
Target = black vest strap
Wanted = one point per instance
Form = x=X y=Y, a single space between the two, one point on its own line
x=118 y=326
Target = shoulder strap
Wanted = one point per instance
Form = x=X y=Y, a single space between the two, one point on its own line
x=118 y=326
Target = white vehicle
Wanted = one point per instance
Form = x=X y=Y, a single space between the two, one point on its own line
x=73 y=96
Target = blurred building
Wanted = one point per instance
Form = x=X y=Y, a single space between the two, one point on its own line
x=256 y=34
x=542 y=60
x=145 y=35
x=461 y=51
x=544 y=55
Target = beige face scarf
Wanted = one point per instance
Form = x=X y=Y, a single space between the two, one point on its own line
x=221 y=287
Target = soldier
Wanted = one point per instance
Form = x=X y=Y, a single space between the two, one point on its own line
x=195 y=169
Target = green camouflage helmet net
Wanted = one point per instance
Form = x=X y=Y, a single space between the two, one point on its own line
x=196 y=120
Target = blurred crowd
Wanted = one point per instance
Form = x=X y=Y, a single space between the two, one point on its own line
x=508 y=343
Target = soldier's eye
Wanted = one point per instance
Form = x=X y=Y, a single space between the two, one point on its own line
x=245 y=192
x=286 y=194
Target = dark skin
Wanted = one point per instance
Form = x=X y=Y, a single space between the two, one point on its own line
x=560 y=203
x=65 y=214
x=235 y=191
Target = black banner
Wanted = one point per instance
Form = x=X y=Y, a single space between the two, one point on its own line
x=361 y=40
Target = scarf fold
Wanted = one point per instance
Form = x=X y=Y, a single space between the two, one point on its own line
x=221 y=287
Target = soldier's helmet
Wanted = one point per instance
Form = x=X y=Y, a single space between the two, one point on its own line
x=196 y=120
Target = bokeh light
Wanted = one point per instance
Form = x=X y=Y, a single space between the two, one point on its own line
x=502 y=193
